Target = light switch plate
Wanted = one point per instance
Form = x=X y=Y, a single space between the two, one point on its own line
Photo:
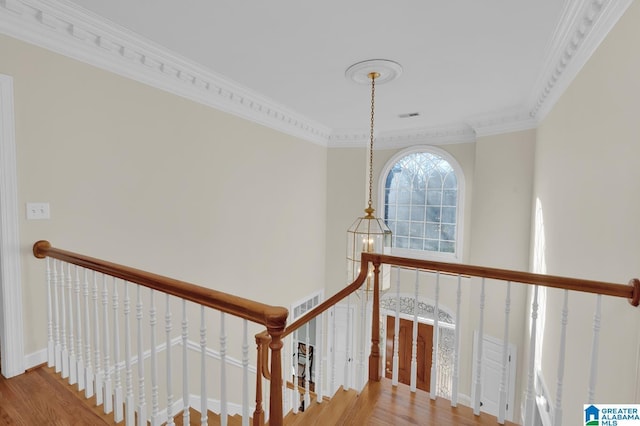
x=38 y=211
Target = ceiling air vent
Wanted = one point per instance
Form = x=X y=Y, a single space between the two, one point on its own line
x=409 y=115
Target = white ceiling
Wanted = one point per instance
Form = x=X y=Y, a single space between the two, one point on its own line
x=469 y=66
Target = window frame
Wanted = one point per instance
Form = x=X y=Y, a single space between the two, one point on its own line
x=425 y=254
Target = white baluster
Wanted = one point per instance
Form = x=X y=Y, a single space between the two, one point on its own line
x=63 y=329
x=73 y=365
x=245 y=373
x=396 y=335
x=108 y=386
x=203 y=370
x=88 y=368
x=594 y=351
x=129 y=404
x=99 y=378
x=317 y=356
x=118 y=400
x=332 y=381
x=477 y=389
x=530 y=395
x=502 y=405
x=185 y=366
x=80 y=348
x=296 y=391
x=155 y=407
x=56 y=325
x=414 y=338
x=50 y=343
x=307 y=368
x=168 y=327
x=436 y=341
x=223 y=371
x=362 y=341
x=347 y=364
x=142 y=404
x=456 y=348
x=557 y=412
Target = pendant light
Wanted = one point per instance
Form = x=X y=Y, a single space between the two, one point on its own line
x=369 y=233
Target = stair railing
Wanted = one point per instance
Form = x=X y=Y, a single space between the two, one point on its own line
x=85 y=336
x=482 y=276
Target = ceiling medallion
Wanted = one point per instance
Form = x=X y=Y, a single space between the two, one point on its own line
x=360 y=72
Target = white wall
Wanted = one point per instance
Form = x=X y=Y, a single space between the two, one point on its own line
x=587 y=181
x=141 y=177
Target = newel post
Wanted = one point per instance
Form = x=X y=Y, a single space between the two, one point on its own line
x=276 y=320
x=375 y=361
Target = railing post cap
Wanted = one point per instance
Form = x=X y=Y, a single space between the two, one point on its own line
x=40 y=247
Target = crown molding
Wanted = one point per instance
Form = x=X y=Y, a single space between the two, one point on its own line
x=440 y=135
x=583 y=25
x=67 y=29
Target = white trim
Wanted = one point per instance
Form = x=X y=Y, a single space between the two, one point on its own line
x=35 y=359
x=11 y=323
x=66 y=28
x=582 y=27
x=423 y=254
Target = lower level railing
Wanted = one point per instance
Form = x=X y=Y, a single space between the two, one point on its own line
x=111 y=332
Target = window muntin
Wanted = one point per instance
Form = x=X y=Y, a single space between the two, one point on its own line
x=421 y=202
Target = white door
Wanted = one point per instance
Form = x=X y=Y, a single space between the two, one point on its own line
x=341 y=347
x=491 y=374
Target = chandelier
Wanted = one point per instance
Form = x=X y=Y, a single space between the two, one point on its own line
x=369 y=233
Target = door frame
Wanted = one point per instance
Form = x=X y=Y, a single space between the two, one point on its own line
x=11 y=322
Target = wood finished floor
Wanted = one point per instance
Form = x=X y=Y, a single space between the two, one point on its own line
x=38 y=397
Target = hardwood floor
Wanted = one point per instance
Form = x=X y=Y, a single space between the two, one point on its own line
x=380 y=404
x=38 y=397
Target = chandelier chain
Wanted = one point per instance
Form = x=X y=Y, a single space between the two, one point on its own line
x=373 y=95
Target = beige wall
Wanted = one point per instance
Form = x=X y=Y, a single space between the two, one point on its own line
x=138 y=176
x=498 y=174
x=587 y=182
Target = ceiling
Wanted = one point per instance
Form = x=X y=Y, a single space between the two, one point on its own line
x=469 y=67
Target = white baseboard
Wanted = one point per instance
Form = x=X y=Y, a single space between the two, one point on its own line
x=36 y=358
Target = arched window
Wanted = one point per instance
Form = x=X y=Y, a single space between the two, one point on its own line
x=423 y=190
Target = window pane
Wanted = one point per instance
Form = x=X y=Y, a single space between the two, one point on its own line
x=402 y=242
x=431 y=245
x=403 y=213
x=435 y=181
x=417 y=212
x=447 y=247
x=402 y=229
x=404 y=196
x=450 y=181
x=450 y=198
x=419 y=196
x=390 y=212
x=448 y=233
x=434 y=197
x=416 y=243
x=448 y=215
x=433 y=214
x=417 y=229
x=392 y=226
x=433 y=230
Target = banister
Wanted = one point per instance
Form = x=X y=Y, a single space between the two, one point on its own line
x=327 y=303
x=273 y=317
x=630 y=291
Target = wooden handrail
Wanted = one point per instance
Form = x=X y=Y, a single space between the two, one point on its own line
x=270 y=316
x=327 y=303
x=630 y=291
